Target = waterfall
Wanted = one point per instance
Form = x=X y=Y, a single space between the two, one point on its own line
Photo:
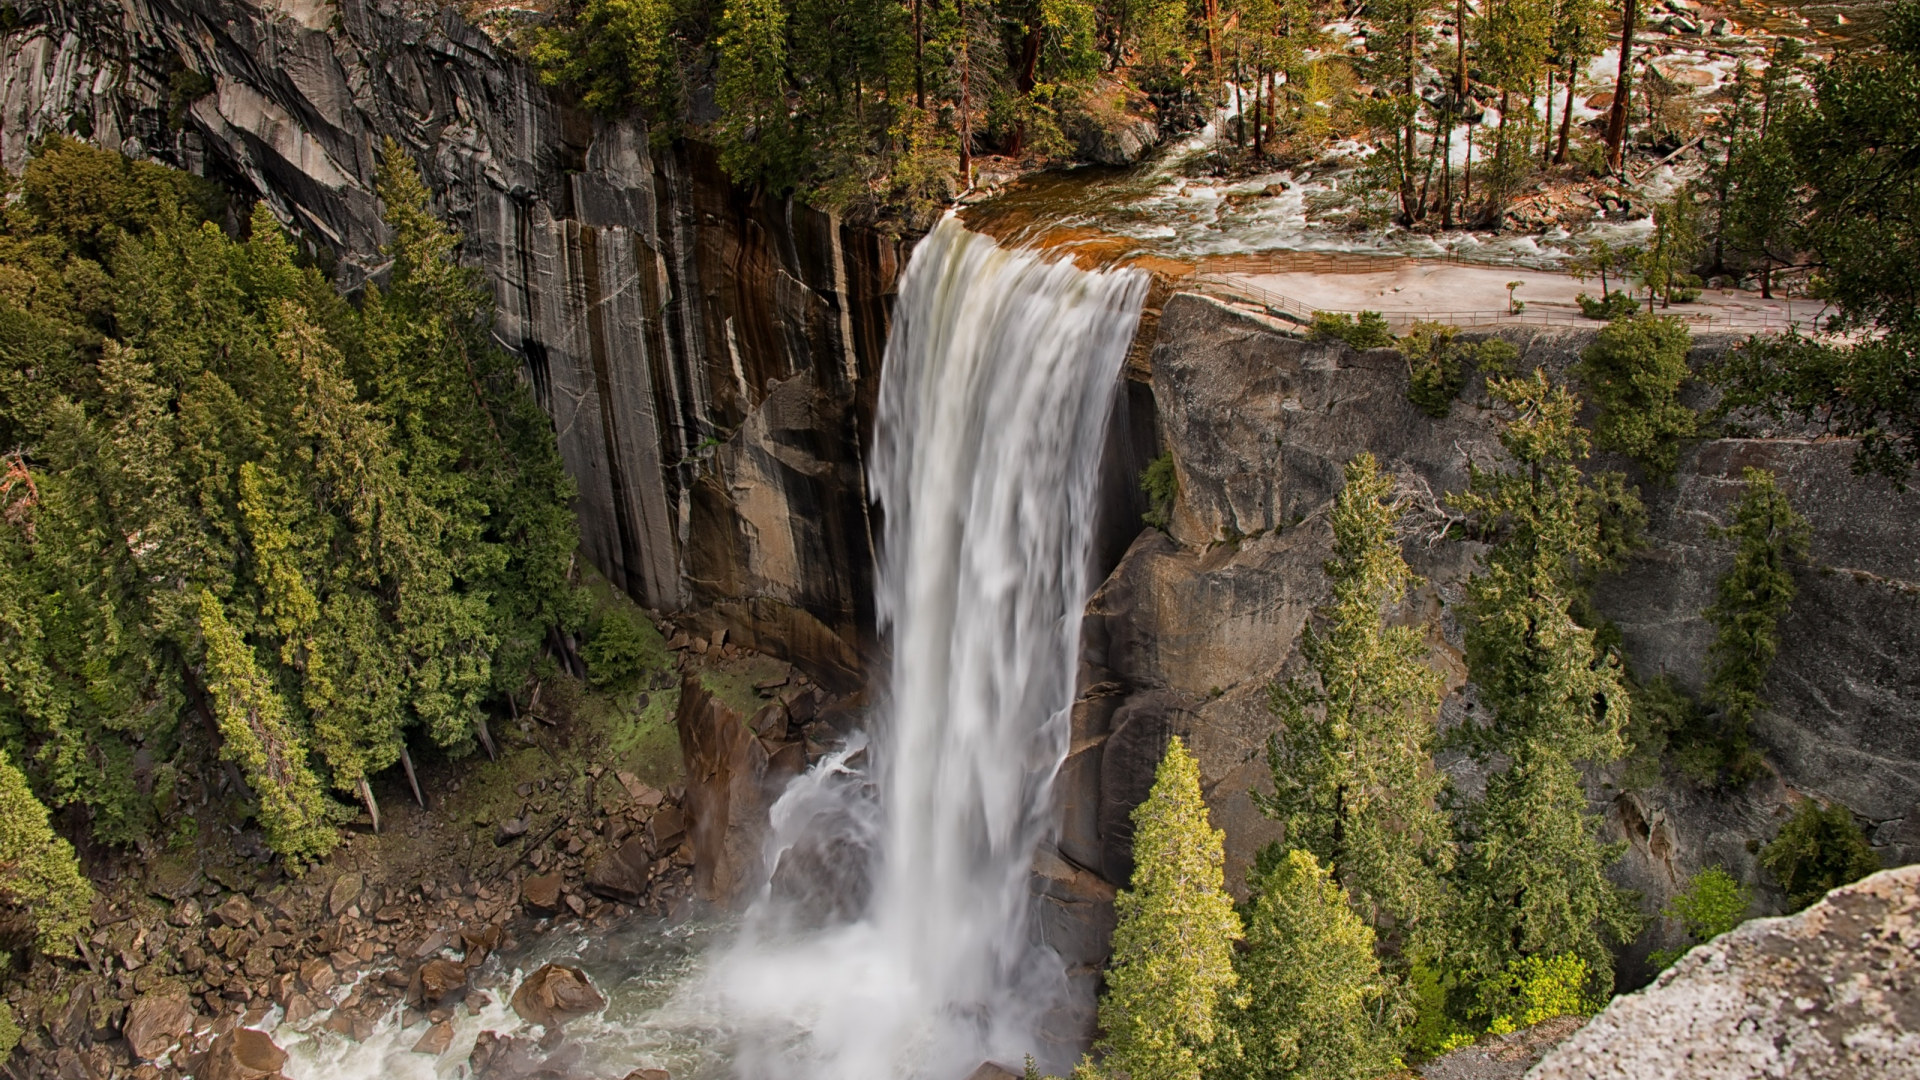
x=893 y=938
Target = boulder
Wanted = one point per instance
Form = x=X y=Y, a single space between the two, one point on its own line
x=666 y=829
x=495 y=1055
x=441 y=977
x=241 y=1054
x=435 y=1040
x=621 y=874
x=731 y=784
x=155 y=1022
x=1832 y=993
x=344 y=893
x=236 y=912
x=542 y=894
x=556 y=994
x=993 y=1070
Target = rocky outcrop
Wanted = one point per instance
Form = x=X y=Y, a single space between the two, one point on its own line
x=1832 y=993
x=1193 y=624
x=706 y=354
x=735 y=771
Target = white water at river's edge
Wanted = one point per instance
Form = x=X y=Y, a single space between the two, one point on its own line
x=994 y=397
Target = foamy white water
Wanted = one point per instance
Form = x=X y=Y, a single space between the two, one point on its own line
x=994 y=398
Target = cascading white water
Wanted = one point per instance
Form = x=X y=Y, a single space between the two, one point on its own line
x=994 y=398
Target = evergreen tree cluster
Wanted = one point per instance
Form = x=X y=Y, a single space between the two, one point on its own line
x=243 y=517
x=1402 y=914
x=880 y=106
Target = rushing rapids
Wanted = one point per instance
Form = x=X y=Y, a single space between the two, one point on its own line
x=994 y=398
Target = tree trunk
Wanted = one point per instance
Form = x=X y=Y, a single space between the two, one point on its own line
x=486 y=737
x=966 y=101
x=373 y=808
x=1566 y=114
x=1623 y=88
x=1546 y=145
x=413 y=781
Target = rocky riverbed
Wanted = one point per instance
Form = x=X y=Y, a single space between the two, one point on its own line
x=521 y=894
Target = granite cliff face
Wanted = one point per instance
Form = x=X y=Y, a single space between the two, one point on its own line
x=1194 y=623
x=707 y=356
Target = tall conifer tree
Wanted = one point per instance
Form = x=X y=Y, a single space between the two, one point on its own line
x=1531 y=878
x=1173 y=947
x=1353 y=775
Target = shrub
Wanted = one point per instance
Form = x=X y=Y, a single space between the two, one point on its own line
x=1818 y=851
x=621 y=650
x=1437 y=364
x=1160 y=483
x=1635 y=369
x=1614 y=305
x=1368 y=331
x=1543 y=987
x=1711 y=904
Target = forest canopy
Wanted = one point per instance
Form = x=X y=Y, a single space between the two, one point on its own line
x=253 y=536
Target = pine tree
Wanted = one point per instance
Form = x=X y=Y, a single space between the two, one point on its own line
x=1173 y=947
x=1635 y=369
x=40 y=882
x=1312 y=1001
x=1352 y=771
x=259 y=737
x=1753 y=596
x=1530 y=878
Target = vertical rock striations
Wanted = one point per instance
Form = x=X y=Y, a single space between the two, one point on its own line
x=705 y=354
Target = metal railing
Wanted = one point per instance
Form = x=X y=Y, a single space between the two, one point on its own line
x=1228 y=287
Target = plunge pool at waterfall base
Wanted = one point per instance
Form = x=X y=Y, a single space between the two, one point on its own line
x=657 y=1014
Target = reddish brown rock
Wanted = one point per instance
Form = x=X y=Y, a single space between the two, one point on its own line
x=155 y=1022
x=542 y=894
x=436 y=1040
x=555 y=994
x=731 y=784
x=649 y=1074
x=438 y=978
x=622 y=874
x=241 y=1054
x=317 y=975
x=299 y=1007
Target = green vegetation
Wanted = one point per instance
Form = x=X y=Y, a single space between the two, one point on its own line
x=1634 y=370
x=622 y=650
x=1353 y=778
x=1437 y=364
x=247 y=520
x=1817 y=851
x=1711 y=904
x=1312 y=1001
x=1839 y=176
x=1173 y=947
x=1553 y=700
x=1367 y=331
x=1161 y=484
x=43 y=898
x=1753 y=596
x=1543 y=987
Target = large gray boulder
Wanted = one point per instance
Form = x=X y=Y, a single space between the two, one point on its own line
x=1832 y=993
